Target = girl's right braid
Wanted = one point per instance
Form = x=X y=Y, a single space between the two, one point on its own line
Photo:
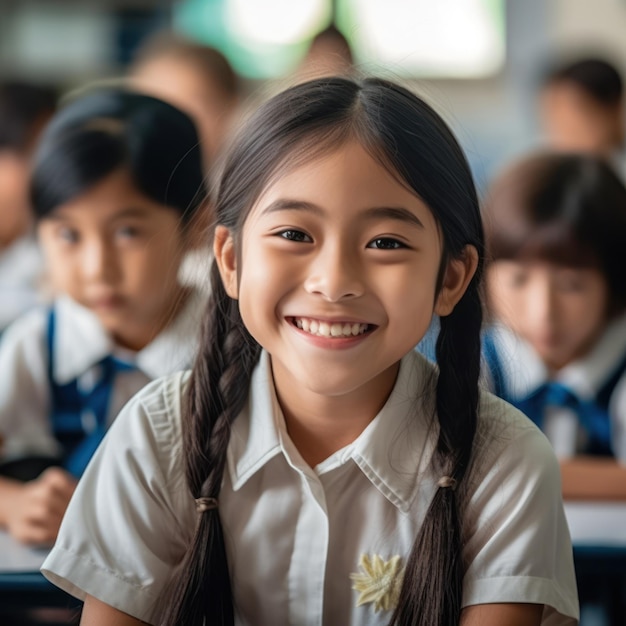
x=433 y=583
x=217 y=393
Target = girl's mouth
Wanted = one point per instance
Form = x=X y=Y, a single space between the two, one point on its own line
x=339 y=330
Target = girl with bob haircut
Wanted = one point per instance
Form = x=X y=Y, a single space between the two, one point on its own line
x=117 y=182
x=556 y=228
x=313 y=468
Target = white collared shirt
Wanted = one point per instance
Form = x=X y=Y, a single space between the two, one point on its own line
x=80 y=343
x=524 y=372
x=296 y=535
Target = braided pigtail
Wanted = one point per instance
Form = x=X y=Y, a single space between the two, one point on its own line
x=432 y=589
x=217 y=392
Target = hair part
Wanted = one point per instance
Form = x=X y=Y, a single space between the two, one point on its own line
x=412 y=141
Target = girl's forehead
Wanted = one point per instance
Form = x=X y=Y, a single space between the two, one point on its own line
x=343 y=177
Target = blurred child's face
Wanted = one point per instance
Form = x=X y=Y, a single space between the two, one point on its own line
x=117 y=252
x=559 y=310
x=574 y=122
x=15 y=212
x=336 y=276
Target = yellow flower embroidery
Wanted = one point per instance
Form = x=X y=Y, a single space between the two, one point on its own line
x=379 y=583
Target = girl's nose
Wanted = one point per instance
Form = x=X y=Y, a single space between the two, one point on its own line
x=542 y=305
x=99 y=261
x=335 y=275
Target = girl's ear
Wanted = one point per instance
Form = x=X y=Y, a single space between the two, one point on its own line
x=458 y=275
x=226 y=259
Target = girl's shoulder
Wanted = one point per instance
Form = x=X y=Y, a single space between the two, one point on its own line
x=160 y=403
x=151 y=423
x=507 y=437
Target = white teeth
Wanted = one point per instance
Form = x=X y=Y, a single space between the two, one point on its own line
x=324 y=329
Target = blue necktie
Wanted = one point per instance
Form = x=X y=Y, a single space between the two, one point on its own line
x=593 y=418
x=93 y=416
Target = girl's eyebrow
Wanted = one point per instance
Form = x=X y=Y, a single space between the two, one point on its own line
x=60 y=216
x=395 y=213
x=287 y=204
x=131 y=212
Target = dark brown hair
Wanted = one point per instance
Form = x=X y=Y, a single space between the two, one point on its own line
x=567 y=209
x=596 y=77
x=412 y=142
x=110 y=129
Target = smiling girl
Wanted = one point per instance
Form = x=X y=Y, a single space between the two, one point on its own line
x=312 y=468
x=116 y=183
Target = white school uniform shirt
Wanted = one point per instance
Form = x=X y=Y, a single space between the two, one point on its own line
x=80 y=343
x=295 y=535
x=21 y=270
x=524 y=371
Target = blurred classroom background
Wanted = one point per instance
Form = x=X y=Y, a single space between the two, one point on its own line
x=478 y=61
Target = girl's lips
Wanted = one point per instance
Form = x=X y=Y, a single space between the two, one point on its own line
x=107 y=302
x=337 y=329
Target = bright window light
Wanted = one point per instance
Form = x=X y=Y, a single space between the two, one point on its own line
x=274 y=22
x=456 y=38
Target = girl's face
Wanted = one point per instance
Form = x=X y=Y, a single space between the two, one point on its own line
x=117 y=252
x=336 y=275
x=559 y=310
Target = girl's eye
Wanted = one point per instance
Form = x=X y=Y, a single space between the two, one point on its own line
x=571 y=284
x=386 y=243
x=295 y=235
x=68 y=235
x=127 y=232
x=518 y=279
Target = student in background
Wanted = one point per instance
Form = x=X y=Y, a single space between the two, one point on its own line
x=313 y=468
x=329 y=54
x=582 y=109
x=24 y=111
x=194 y=77
x=199 y=80
x=556 y=229
x=117 y=179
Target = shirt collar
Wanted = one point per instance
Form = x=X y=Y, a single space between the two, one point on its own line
x=394 y=448
x=80 y=342
x=254 y=437
x=525 y=371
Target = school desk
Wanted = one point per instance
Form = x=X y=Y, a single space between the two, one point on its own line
x=22 y=586
x=598 y=531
